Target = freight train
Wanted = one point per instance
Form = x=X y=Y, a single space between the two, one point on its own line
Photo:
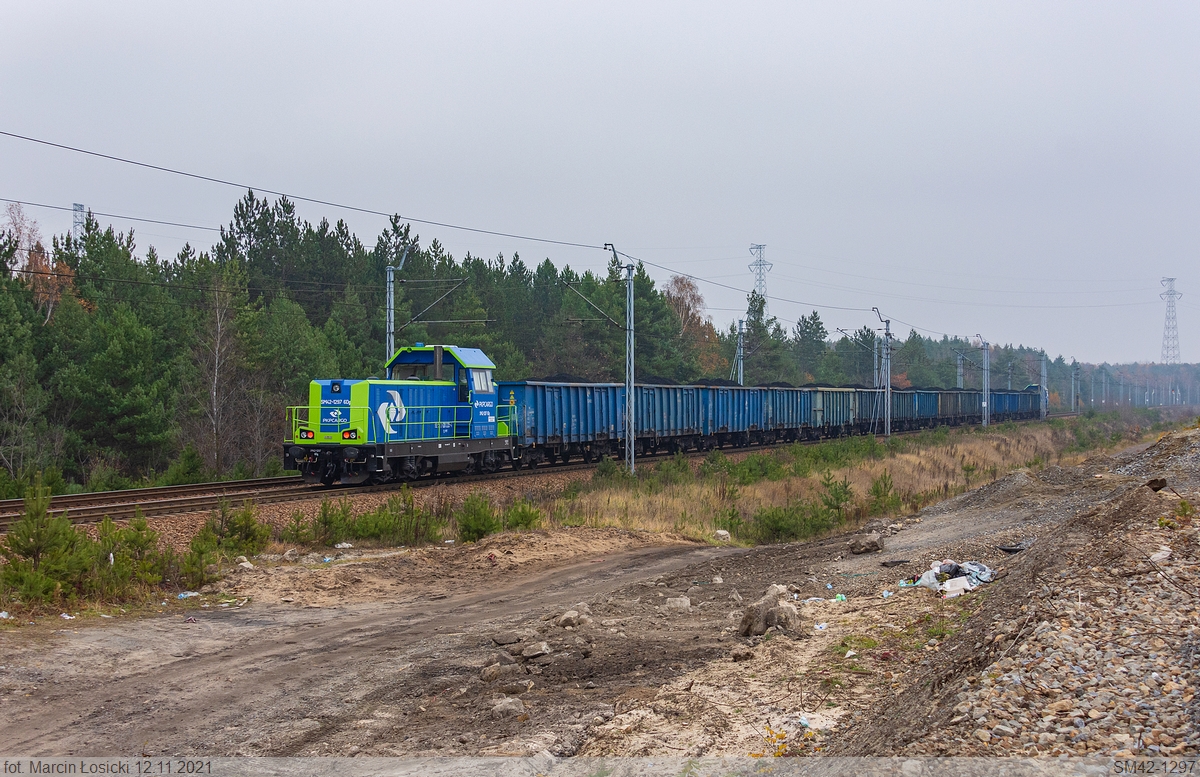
x=439 y=410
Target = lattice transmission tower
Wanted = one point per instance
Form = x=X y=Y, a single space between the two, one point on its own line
x=78 y=221
x=1170 y=349
x=760 y=267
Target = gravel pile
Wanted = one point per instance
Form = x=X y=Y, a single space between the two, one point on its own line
x=1109 y=664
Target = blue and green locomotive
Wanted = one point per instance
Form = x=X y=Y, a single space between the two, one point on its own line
x=439 y=410
x=436 y=411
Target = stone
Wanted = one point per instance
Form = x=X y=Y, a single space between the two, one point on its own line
x=735 y=596
x=490 y=673
x=721 y=535
x=865 y=543
x=506 y=638
x=768 y=611
x=741 y=653
x=291 y=554
x=983 y=735
x=246 y=565
x=678 y=604
x=537 y=649
x=694 y=591
x=569 y=618
x=718 y=580
x=1002 y=730
x=508 y=707
x=240 y=560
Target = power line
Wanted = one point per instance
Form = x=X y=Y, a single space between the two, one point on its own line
x=75 y=210
x=313 y=200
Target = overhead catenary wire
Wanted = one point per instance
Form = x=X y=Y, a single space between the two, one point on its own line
x=296 y=197
x=510 y=235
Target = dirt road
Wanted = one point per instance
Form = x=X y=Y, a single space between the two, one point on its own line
x=273 y=679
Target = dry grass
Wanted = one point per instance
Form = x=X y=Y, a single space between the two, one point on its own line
x=925 y=469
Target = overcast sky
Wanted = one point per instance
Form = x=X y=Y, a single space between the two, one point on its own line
x=1027 y=171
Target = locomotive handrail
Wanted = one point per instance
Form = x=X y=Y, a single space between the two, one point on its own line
x=387 y=424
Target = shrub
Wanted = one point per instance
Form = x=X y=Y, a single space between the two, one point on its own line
x=610 y=473
x=673 y=471
x=476 y=519
x=715 y=463
x=47 y=559
x=398 y=522
x=333 y=521
x=522 y=515
x=188 y=468
x=299 y=530
x=238 y=532
x=792 y=522
x=837 y=494
x=882 y=499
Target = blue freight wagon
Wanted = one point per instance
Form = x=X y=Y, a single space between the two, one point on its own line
x=834 y=411
x=668 y=417
x=789 y=412
x=438 y=410
x=732 y=415
x=555 y=421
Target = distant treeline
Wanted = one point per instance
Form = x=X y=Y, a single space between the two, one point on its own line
x=117 y=368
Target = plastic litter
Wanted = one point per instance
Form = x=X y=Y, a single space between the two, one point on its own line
x=449 y=542
x=978 y=572
x=829 y=586
x=4 y=615
x=1164 y=553
x=187 y=595
x=190 y=619
x=820 y=626
x=102 y=615
x=850 y=654
x=840 y=598
x=327 y=559
x=886 y=594
x=814 y=599
x=955 y=586
x=804 y=722
x=66 y=617
x=929 y=580
x=343 y=545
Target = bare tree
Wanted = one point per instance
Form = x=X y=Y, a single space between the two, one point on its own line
x=217 y=360
x=683 y=295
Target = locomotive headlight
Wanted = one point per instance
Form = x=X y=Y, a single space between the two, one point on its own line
x=351 y=434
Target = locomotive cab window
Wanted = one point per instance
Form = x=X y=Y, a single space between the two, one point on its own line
x=482 y=381
x=463 y=388
x=410 y=372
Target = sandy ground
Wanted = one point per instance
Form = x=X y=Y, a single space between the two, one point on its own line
x=461 y=650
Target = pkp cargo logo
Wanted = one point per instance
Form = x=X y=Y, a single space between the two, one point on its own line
x=391 y=412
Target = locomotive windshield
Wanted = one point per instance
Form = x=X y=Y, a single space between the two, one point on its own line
x=411 y=371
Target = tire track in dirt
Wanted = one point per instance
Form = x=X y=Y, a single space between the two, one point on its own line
x=160 y=686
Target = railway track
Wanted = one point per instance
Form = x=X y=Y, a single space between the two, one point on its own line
x=201 y=497
x=160 y=500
